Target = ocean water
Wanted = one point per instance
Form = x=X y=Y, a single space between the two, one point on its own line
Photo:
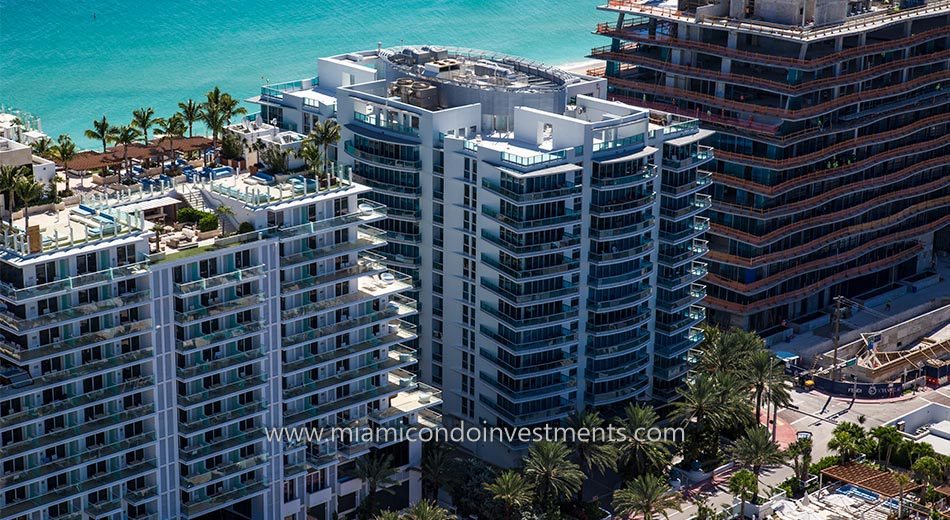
x=69 y=62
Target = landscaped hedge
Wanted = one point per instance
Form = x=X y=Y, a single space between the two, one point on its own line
x=205 y=220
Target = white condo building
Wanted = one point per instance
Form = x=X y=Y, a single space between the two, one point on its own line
x=137 y=383
x=554 y=238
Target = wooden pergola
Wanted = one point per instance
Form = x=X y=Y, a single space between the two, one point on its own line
x=884 y=483
x=96 y=160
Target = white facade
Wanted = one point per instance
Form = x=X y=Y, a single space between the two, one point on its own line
x=138 y=383
x=553 y=236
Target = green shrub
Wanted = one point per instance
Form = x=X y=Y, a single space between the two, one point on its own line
x=245 y=227
x=823 y=463
x=208 y=222
x=190 y=215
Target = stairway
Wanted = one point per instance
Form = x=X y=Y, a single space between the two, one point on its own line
x=194 y=198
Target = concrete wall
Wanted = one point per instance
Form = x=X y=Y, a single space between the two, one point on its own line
x=787 y=12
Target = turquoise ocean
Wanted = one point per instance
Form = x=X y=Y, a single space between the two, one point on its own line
x=71 y=61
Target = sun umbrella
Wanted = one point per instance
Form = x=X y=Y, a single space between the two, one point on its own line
x=837 y=499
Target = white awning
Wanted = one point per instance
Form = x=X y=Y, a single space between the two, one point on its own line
x=146 y=205
x=646 y=152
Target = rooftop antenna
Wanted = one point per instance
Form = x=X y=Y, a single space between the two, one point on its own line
x=379 y=47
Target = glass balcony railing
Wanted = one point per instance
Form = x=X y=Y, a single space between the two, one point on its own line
x=532 y=161
x=629 y=344
x=566 y=312
x=366 y=238
x=83 y=399
x=233 y=332
x=84 y=341
x=224 y=471
x=238 y=276
x=645 y=174
x=90 y=367
x=637 y=364
x=617 y=144
x=628 y=392
x=619 y=254
x=599 y=282
x=559 y=386
x=80 y=311
x=204 y=422
x=225 y=360
x=367 y=291
x=639 y=227
x=567 y=240
x=398 y=307
x=566 y=339
x=638 y=295
x=527 y=370
x=395 y=332
x=204 y=447
x=111 y=274
x=695 y=314
x=376 y=120
x=367 y=263
x=522 y=418
x=517 y=223
x=370 y=157
x=616 y=326
x=198 y=313
x=345 y=377
x=703 y=154
x=368 y=211
x=561 y=191
x=354 y=399
x=517 y=273
x=220 y=390
x=624 y=206
x=238 y=491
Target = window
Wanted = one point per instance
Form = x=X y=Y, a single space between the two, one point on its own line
x=86 y=263
x=125 y=255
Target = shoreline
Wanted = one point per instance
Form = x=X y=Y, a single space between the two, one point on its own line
x=579 y=67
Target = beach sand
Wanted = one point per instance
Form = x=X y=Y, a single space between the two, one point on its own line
x=580 y=67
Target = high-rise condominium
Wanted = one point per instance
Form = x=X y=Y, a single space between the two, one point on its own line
x=831 y=172
x=554 y=237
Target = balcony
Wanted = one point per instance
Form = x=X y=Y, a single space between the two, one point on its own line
x=671 y=373
x=79 y=488
x=696 y=250
x=699 y=226
x=692 y=317
x=617 y=255
x=85 y=310
x=239 y=491
x=568 y=241
x=140 y=496
x=196 y=312
x=64 y=404
x=702 y=155
x=220 y=445
x=222 y=280
x=639 y=295
x=619 y=325
x=205 y=422
x=112 y=274
x=695 y=272
x=379 y=160
x=701 y=202
x=638 y=364
x=367 y=238
x=520 y=224
x=617 y=144
x=368 y=211
x=644 y=226
x=642 y=176
x=622 y=394
x=113 y=420
x=535 y=370
x=693 y=338
x=695 y=294
x=311 y=413
x=396 y=332
x=567 y=339
x=567 y=266
x=517 y=298
x=367 y=263
x=377 y=121
x=605 y=282
x=232 y=333
x=703 y=179
x=111 y=363
x=223 y=471
x=225 y=360
x=524 y=419
x=368 y=288
x=623 y=206
x=189 y=399
x=84 y=457
x=84 y=341
x=561 y=386
x=564 y=190
x=628 y=345
x=398 y=307
x=566 y=313
x=393 y=361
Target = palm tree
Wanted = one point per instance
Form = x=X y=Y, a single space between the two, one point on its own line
x=889 y=438
x=29 y=192
x=18 y=125
x=9 y=180
x=553 y=475
x=756 y=450
x=744 y=485
x=143 y=119
x=848 y=440
x=171 y=129
x=435 y=466
x=312 y=156
x=648 y=495
x=800 y=454
x=512 y=490
x=708 y=404
x=126 y=135
x=101 y=131
x=43 y=147
x=637 y=450
x=190 y=112
x=387 y=515
x=725 y=351
x=902 y=481
x=766 y=376
x=376 y=472
x=591 y=453
x=327 y=134
x=217 y=111
x=426 y=510
x=65 y=151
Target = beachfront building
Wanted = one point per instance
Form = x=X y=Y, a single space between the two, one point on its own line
x=16 y=154
x=831 y=172
x=140 y=370
x=555 y=238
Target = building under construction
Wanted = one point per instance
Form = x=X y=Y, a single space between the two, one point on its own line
x=831 y=171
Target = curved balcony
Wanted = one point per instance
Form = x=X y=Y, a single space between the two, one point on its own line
x=696 y=271
x=606 y=282
x=692 y=317
x=638 y=364
x=797 y=114
x=701 y=202
x=615 y=396
x=521 y=300
x=379 y=160
x=703 y=179
x=567 y=313
x=566 y=340
x=622 y=232
x=629 y=33
x=623 y=207
x=635 y=298
x=617 y=255
x=522 y=275
x=517 y=224
x=518 y=419
x=689 y=341
x=695 y=295
x=564 y=191
x=804 y=249
x=826 y=196
x=629 y=345
x=850 y=213
x=643 y=176
x=703 y=155
x=387 y=188
x=699 y=226
x=695 y=251
x=563 y=386
x=631 y=54
x=568 y=241
x=534 y=370
x=620 y=325
x=804 y=292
